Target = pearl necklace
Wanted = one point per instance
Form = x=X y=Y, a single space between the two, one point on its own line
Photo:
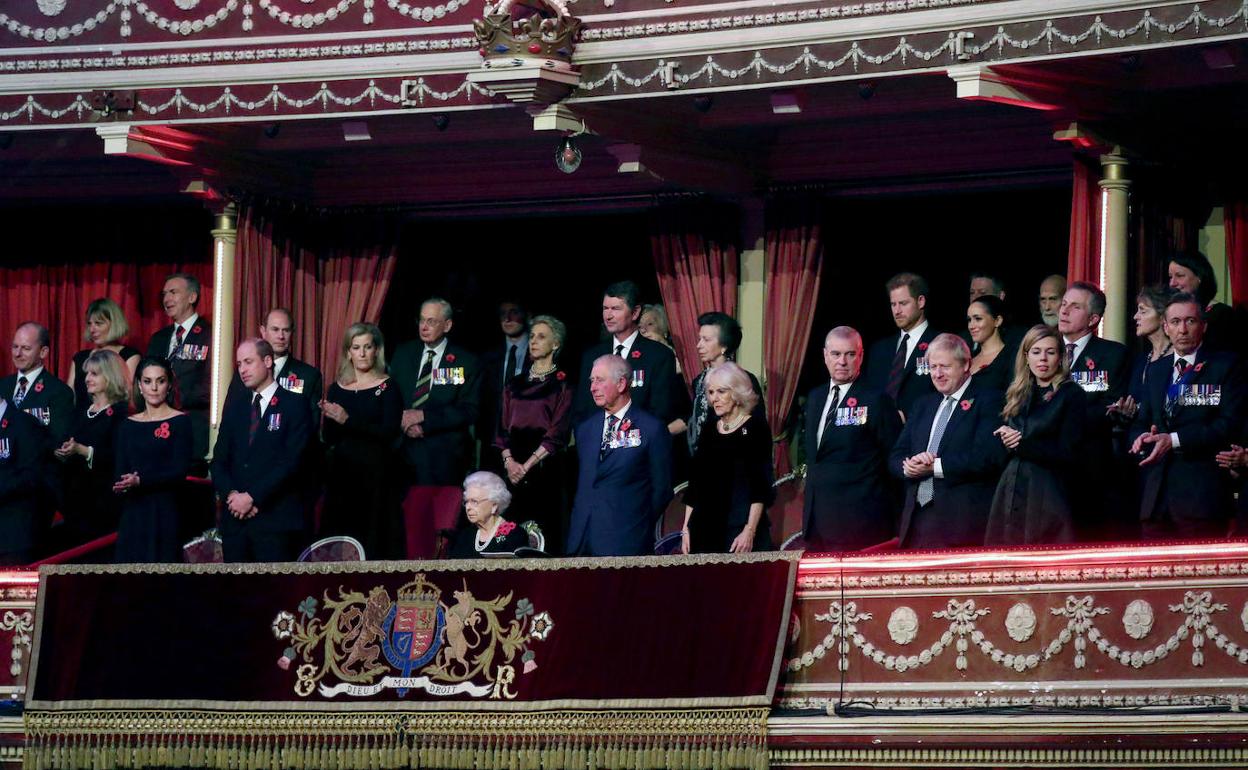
x=480 y=546
x=92 y=415
x=729 y=427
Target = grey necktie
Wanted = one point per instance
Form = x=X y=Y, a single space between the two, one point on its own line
x=927 y=485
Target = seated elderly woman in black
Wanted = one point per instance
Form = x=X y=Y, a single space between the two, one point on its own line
x=486 y=497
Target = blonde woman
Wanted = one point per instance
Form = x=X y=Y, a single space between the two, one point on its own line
x=1044 y=413
x=362 y=411
x=106 y=327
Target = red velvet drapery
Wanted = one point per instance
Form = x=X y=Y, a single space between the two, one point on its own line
x=116 y=253
x=1236 y=218
x=794 y=266
x=696 y=258
x=1083 y=262
x=329 y=269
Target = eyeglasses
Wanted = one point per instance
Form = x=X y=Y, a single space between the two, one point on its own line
x=475 y=501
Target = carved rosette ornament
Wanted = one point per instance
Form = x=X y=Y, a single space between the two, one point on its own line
x=1020 y=622
x=50 y=7
x=1137 y=619
x=903 y=625
x=527 y=50
x=1243 y=616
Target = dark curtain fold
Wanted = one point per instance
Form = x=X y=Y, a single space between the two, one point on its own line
x=329 y=269
x=696 y=259
x=122 y=254
x=1236 y=219
x=794 y=266
x=1083 y=262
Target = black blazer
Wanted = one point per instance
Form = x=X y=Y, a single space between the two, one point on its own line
x=1188 y=482
x=850 y=502
x=1103 y=371
x=268 y=468
x=656 y=386
x=491 y=406
x=913 y=384
x=297 y=377
x=48 y=400
x=192 y=368
x=24 y=446
x=971 y=459
x=444 y=454
x=621 y=496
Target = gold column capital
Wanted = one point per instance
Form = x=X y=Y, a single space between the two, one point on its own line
x=225 y=223
x=1114 y=170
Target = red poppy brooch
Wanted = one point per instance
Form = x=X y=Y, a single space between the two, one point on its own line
x=851 y=402
x=626 y=426
x=162 y=431
x=922 y=346
x=109 y=411
x=1090 y=364
x=1200 y=366
x=560 y=376
x=38 y=387
x=4 y=424
x=273 y=401
x=966 y=404
x=636 y=354
x=197 y=329
x=450 y=358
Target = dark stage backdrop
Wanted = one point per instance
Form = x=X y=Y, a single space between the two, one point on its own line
x=553 y=265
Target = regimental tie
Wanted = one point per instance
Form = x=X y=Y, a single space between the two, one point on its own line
x=612 y=421
x=178 y=335
x=1070 y=353
x=1180 y=368
x=898 y=369
x=619 y=350
x=20 y=395
x=253 y=425
x=510 y=371
x=928 y=486
x=421 y=394
x=830 y=418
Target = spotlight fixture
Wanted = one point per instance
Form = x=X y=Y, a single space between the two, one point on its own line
x=786 y=103
x=703 y=104
x=355 y=131
x=568 y=156
x=440 y=122
x=866 y=90
x=271 y=130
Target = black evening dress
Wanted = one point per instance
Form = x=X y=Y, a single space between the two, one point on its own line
x=464 y=546
x=91 y=509
x=160 y=452
x=999 y=374
x=80 y=373
x=537 y=413
x=1033 y=503
x=361 y=499
x=729 y=472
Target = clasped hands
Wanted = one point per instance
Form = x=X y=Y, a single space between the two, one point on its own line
x=515 y=471
x=126 y=482
x=1161 y=445
x=413 y=423
x=70 y=447
x=241 y=505
x=1009 y=436
x=333 y=411
x=1234 y=459
x=920 y=466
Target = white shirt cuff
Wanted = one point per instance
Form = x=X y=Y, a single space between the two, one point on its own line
x=1174 y=440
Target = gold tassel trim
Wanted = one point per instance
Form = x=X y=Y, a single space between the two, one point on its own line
x=716 y=739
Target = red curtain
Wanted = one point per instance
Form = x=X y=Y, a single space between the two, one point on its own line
x=1236 y=217
x=794 y=266
x=117 y=253
x=331 y=270
x=1083 y=262
x=695 y=256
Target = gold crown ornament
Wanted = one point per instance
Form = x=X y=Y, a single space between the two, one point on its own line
x=419 y=590
x=517 y=34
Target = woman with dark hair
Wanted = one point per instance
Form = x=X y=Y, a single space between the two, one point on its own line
x=106 y=327
x=534 y=430
x=1044 y=414
x=719 y=336
x=362 y=411
x=993 y=364
x=1150 y=329
x=1191 y=272
x=153 y=458
x=90 y=508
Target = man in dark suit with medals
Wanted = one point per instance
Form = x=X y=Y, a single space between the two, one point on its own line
x=498 y=367
x=257 y=461
x=851 y=427
x=1101 y=368
x=24 y=448
x=441 y=384
x=291 y=374
x=897 y=365
x=34 y=389
x=186 y=343
x=1193 y=407
x=624 y=479
x=947 y=456
x=654 y=384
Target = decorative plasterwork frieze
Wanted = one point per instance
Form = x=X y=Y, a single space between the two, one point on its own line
x=961 y=757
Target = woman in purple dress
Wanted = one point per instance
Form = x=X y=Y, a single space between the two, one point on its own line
x=533 y=432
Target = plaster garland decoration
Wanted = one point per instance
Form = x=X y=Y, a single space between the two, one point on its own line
x=187 y=5
x=1020 y=622
x=21 y=625
x=903 y=625
x=1137 y=619
x=50 y=7
x=1080 y=614
x=1243 y=616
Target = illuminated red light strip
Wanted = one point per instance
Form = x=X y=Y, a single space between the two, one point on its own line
x=1124 y=554
x=19 y=578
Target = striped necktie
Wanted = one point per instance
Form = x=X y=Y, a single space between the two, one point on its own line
x=421 y=394
x=927 y=486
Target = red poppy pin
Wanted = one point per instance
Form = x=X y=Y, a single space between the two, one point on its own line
x=4 y=424
x=450 y=358
x=197 y=329
x=636 y=354
x=922 y=346
x=626 y=426
x=109 y=411
x=162 y=431
x=851 y=402
x=1049 y=396
x=1200 y=366
x=966 y=404
x=382 y=386
x=1090 y=364
x=560 y=376
x=506 y=527
x=273 y=401
x=38 y=387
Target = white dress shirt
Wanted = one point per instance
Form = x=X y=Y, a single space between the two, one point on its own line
x=30 y=376
x=913 y=341
x=627 y=343
x=937 y=471
x=829 y=404
x=438 y=351
x=186 y=325
x=1079 y=344
x=619 y=415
